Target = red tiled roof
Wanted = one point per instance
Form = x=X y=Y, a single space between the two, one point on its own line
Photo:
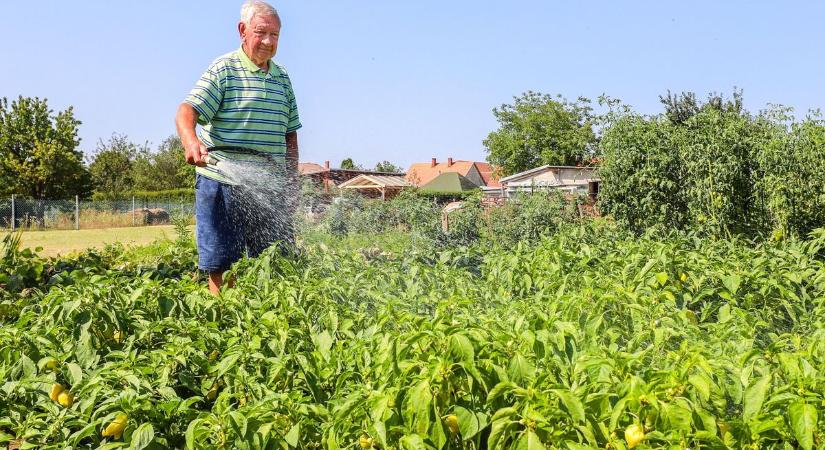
x=420 y=174
x=307 y=168
x=488 y=174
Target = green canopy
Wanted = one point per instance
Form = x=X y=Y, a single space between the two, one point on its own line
x=449 y=182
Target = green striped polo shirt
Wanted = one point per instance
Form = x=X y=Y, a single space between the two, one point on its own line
x=241 y=105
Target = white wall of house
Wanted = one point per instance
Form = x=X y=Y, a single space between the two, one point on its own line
x=556 y=176
x=563 y=178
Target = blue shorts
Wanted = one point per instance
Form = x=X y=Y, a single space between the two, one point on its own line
x=230 y=222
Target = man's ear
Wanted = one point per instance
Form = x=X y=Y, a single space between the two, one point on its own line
x=241 y=29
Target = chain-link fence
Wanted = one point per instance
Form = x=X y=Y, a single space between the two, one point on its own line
x=27 y=214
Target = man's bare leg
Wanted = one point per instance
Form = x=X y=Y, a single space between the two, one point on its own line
x=216 y=281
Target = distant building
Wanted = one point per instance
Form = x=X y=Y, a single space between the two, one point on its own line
x=376 y=186
x=328 y=177
x=449 y=183
x=579 y=180
x=478 y=173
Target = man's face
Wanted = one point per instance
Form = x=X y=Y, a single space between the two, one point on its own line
x=260 y=37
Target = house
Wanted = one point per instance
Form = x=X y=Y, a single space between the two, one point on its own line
x=309 y=168
x=478 y=173
x=579 y=180
x=328 y=177
x=449 y=183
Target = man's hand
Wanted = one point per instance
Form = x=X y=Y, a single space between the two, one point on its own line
x=195 y=152
x=185 y=120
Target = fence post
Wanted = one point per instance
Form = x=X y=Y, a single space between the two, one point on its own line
x=76 y=212
x=13 y=215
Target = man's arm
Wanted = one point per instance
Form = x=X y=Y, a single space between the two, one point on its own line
x=292 y=152
x=194 y=150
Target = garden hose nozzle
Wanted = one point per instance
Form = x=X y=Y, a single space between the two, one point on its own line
x=211 y=160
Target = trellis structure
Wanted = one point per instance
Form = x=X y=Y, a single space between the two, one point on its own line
x=373 y=185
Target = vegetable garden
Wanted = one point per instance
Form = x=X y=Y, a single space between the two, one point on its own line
x=588 y=337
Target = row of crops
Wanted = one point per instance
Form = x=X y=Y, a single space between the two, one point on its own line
x=590 y=338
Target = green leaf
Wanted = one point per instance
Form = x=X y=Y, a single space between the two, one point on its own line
x=677 y=417
x=417 y=412
x=731 y=283
x=75 y=373
x=461 y=348
x=520 y=370
x=238 y=422
x=533 y=441
x=293 y=435
x=501 y=389
x=573 y=405
x=225 y=364
x=468 y=423
x=662 y=278
x=724 y=313
x=702 y=385
x=323 y=343
x=142 y=437
x=191 y=432
x=803 y=422
x=755 y=396
x=413 y=442
x=498 y=433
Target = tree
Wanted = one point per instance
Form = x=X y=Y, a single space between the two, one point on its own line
x=679 y=108
x=386 y=166
x=170 y=167
x=112 y=167
x=348 y=164
x=538 y=129
x=38 y=151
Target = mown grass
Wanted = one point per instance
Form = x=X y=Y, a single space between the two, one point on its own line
x=65 y=242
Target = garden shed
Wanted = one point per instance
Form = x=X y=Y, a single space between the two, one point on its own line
x=383 y=186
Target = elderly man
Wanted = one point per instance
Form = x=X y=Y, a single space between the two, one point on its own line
x=246 y=108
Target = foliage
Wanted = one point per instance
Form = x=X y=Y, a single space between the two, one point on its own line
x=590 y=338
x=38 y=151
x=538 y=129
x=386 y=166
x=352 y=213
x=19 y=268
x=168 y=169
x=121 y=168
x=714 y=168
x=681 y=107
x=529 y=217
x=349 y=164
x=445 y=196
x=112 y=166
x=183 y=194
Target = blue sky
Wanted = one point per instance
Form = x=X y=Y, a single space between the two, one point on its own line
x=406 y=81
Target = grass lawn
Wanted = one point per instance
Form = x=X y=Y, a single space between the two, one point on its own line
x=63 y=242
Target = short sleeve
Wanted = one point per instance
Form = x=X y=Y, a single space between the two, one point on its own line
x=207 y=95
x=294 y=121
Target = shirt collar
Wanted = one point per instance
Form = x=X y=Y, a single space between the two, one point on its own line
x=251 y=66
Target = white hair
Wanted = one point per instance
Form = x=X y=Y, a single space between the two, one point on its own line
x=252 y=8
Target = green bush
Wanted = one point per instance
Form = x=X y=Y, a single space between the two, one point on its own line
x=722 y=172
x=528 y=217
x=187 y=194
